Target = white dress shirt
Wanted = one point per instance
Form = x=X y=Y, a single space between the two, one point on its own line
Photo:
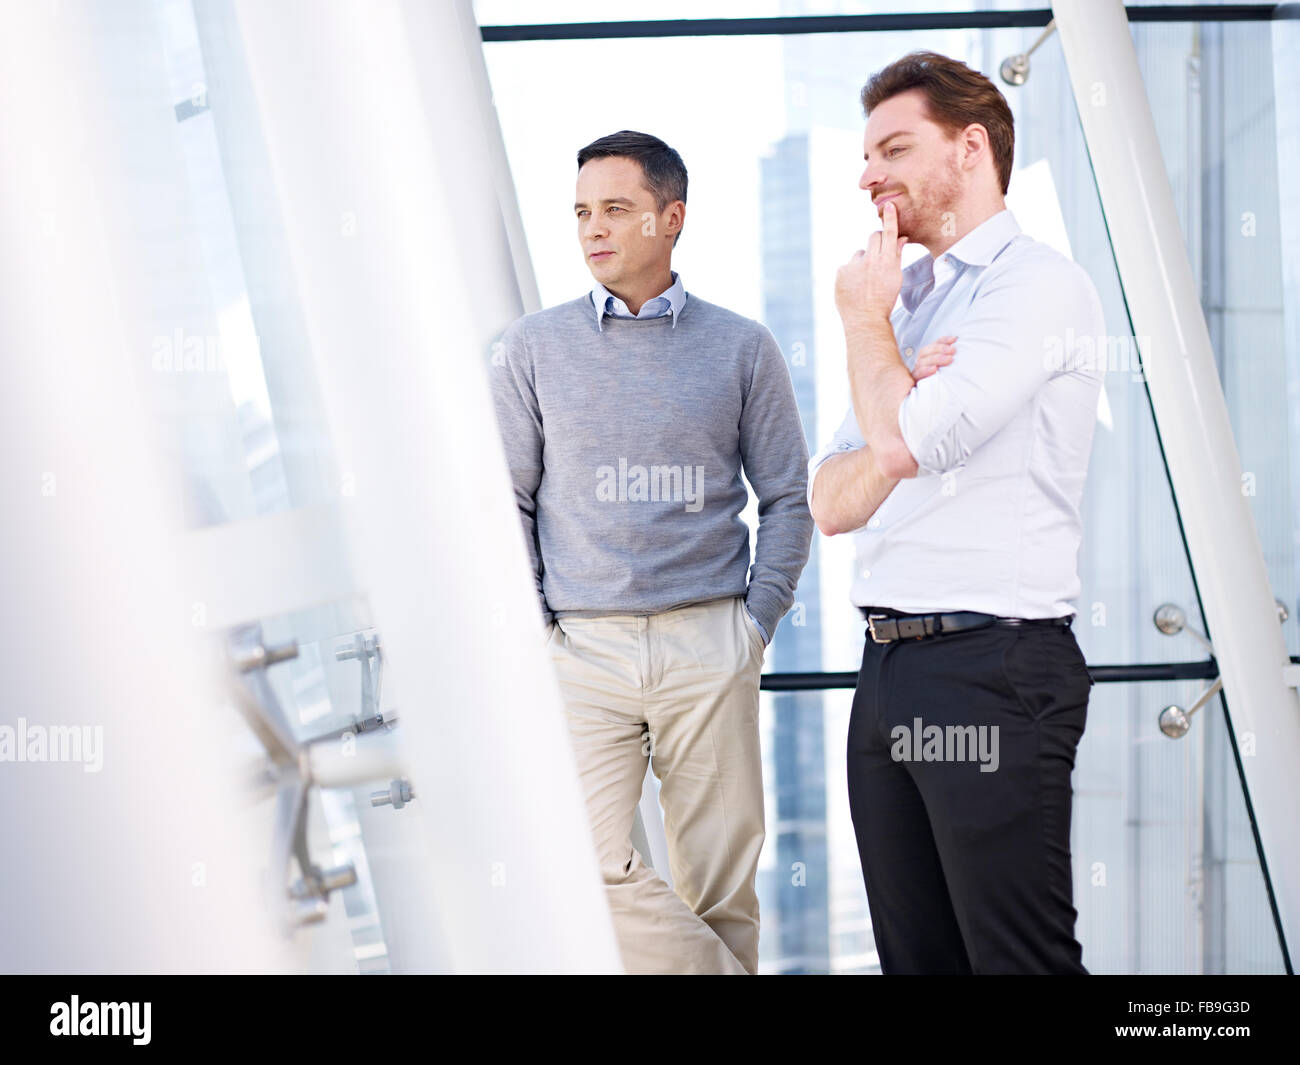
x=1002 y=434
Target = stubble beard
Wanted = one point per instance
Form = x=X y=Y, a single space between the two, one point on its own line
x=936 y=203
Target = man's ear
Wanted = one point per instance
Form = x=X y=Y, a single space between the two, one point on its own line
x=676 y=218
x=974 y=145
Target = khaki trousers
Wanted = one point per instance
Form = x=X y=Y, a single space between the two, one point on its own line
x=681 y=690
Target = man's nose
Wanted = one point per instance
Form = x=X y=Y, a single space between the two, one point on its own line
x=594 y=228
x=872 y=177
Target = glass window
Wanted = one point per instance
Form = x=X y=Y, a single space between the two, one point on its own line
x=770 y=129
x=1228 y=116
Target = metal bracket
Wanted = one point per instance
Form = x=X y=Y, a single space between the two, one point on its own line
x=306 y=900
x=1175 y=721
x=366 y=650
x=399 y=793
x=1171 y=619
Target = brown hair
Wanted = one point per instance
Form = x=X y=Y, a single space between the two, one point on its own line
x=956 y=97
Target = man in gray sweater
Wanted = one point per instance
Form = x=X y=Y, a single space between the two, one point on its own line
x=628 y=415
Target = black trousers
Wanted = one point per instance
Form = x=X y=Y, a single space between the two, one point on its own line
x=964 y=834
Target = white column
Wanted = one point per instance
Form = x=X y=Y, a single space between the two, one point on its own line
x=137 y=855
x=1192 y=418
x=374 y=124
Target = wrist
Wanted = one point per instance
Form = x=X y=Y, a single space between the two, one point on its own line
x=863 y=320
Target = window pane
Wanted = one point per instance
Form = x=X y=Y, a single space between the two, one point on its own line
x=1228 y=116
x=770 y=129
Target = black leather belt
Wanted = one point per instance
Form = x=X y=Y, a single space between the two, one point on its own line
x=886 y=626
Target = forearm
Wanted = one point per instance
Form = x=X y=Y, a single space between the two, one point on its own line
x=528 y=524
x=878 y=383
x=784 y=540
x=848 y=489
x=519 y=422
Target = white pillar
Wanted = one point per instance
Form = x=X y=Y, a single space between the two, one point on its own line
x=145 y=863
x=373 y=116
x=1195 y=431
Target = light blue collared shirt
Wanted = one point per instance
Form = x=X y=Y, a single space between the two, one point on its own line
x=1001 y=435
x=670 y=301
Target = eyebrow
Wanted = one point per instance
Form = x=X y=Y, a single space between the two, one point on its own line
x=892 y=136
x=616 y=199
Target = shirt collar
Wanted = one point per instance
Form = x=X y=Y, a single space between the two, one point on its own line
x=675 y=294
x=982 y=244
x=979 y=247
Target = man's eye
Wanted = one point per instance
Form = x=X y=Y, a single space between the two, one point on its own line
x=616 y=208
x=582 y=214
x=894 y=151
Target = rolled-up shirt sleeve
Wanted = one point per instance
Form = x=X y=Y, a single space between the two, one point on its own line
x=1009 y=343
x=848 y=437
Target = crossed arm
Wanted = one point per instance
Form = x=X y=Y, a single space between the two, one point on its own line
x=849 y=487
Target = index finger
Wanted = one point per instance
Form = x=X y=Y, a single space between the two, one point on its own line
x=889 y=227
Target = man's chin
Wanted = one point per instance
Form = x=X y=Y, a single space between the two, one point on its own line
x=906 y=227
x=899 y=214
x=603 y=271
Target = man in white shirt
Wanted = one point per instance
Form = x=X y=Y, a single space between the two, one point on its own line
x=961 y=486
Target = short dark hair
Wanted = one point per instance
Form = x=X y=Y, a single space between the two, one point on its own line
x=664 y=171
x=956 y=96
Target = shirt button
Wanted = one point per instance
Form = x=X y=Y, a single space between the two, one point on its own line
x=866 y=573
x=907 y=351
x=874 y=523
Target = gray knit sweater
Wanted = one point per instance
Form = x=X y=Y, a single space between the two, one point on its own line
x=626 y=448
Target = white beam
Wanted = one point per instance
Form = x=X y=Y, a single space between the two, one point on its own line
x=141 y=858
x=373 y=122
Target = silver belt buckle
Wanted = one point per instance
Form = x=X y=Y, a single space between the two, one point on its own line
x=871 y=625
